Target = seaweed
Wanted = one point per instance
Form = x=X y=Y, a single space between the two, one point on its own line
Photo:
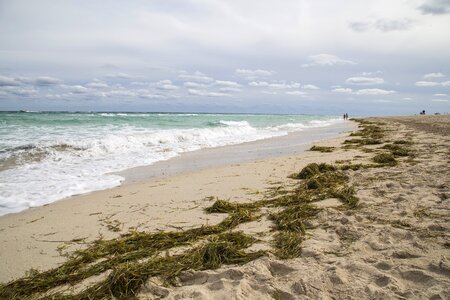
x=322 y=149
x=288 y=244
x=385 y=159
x=293 y=217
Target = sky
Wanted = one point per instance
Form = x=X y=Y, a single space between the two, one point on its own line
x=371 y=57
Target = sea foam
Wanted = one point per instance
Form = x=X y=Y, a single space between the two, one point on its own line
x=49 y=163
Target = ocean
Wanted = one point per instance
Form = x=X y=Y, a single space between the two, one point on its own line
x=47 y=156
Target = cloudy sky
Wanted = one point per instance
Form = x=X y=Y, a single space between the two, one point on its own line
x=366 y=57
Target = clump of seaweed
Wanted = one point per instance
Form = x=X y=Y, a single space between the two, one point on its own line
x=322 y=149
x=288 y=244
x=368 y=141
x=293 y=217
x=313 y=169
x=397 y=150
x=359 y=166
x=385 y=159
x=224 y=206
x=370 y=134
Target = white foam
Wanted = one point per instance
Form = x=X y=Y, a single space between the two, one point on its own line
x=95 y=152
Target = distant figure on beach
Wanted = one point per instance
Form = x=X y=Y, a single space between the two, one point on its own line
x=422 y=112
x=345 y=116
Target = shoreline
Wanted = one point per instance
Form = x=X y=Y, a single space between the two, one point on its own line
x=391 y=243
x=191 y=161
x=100 y=209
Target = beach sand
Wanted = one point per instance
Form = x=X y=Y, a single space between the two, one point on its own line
x=393 y=244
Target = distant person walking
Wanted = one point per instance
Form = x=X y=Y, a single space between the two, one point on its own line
x=345 y=116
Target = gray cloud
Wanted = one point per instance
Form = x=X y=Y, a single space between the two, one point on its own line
x=20 y=91
x=384 y=25
x=387 y=25
x=435 y=7
x=9 y=81
x=360 y=26
x=46 y=80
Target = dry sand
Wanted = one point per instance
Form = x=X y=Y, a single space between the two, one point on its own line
x=395 y=244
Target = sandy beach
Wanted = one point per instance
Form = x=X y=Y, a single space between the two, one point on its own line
x=392 y=242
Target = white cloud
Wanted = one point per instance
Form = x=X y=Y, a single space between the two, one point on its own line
x=365 y=80
x=253 y=74
x=363 y=91
x=120 y=76
x=269 y=92
x=407 y=98
x=440 y=95
x=381 y=101
x=197 y=77
x=426 y=83
x=190 y=84
x=97 y=85
x=440 y=100
x=166 y=85
x=227 y=83
x=342 y=90
x=121 y=93
x=230 y=89
x=371 y=73
x=373 y=92
x=20 y=91
x=258 y=83
x=433 y=75
x=445 y=83
x=283 y=85
x=310 y=87
x=139 y=83
x=196 y=92
x=327 y=60
x=76 y=89
x=46 y=80
x=296 y=93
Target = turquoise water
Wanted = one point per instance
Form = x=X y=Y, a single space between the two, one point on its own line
x=45 y=157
